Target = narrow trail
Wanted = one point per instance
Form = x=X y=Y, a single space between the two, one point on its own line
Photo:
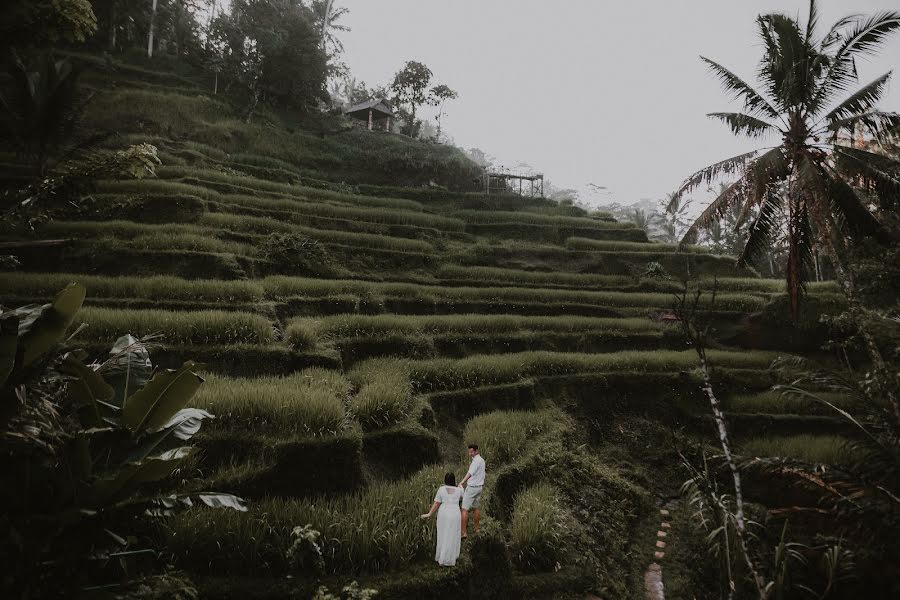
x=653 y=576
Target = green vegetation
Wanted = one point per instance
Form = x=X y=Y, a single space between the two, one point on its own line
x=199 y=328
x=821 y=449
x=539 y=524
x=311 y=402
x=502 y=437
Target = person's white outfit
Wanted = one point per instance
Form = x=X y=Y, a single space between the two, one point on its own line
x=472 y=498
x=448 y=525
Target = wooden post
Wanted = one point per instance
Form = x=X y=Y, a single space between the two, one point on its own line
x=370 y=119
x=152 y=25
x=387 y=124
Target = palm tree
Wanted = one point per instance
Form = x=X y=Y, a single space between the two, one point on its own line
x=326 y=15
x=811 y=184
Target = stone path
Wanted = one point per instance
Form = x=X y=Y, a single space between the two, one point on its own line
x=653 y=576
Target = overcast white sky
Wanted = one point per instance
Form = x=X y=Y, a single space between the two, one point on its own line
x=609 y=92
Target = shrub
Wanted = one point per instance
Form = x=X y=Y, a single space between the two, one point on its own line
x=310 y=402
x=296 y=253
x=178 y=328
x=538 y=529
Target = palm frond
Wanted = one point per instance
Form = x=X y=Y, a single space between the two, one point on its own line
x=764 y=174
x=753 y=100
x=763 y=228
x=848 y=209
x=785 y=64
x=862 y=101
x=880 y=124
x=742 y=124
x=868 y=35
x=710 y=173
x=872 y=171
x=812 y=22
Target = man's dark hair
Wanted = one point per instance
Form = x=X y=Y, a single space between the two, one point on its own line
x=450 y=479
x=474 y=447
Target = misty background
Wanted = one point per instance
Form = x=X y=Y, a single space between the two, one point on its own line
x=609 y=93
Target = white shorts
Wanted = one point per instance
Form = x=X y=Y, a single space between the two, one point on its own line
x=472 y=497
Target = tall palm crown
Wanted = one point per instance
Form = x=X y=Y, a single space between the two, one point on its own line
x=816 y=185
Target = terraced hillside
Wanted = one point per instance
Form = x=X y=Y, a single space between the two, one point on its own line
x=358 y=334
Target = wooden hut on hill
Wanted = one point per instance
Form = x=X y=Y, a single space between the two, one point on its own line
x=372 y=111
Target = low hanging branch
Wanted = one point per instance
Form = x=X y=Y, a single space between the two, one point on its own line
x=687 y=310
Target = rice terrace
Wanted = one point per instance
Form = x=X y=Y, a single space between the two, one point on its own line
x=268 y=331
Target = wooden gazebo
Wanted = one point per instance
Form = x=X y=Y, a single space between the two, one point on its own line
x=371 y=111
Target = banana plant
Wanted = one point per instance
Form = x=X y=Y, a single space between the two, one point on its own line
x=85 y=439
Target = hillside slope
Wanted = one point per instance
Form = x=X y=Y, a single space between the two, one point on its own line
x=359 y=330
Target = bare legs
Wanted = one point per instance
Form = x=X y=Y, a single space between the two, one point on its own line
x=465 y=521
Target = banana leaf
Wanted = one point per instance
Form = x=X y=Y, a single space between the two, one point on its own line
x=165 y=506
x=42 y=327
x=183 y=426
x=88 y=392
x=132 y=475
x=167 y=392
x=9 y=341
x=129 y=367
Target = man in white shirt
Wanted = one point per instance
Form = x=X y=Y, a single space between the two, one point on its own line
x=472 y=496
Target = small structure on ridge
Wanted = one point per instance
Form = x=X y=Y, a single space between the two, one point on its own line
x=372 y=111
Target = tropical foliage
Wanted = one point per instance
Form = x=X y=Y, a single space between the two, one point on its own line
x=820 y=182
x=87 y=439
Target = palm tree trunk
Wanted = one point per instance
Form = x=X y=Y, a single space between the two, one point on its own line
x=113 y=28
x=150 y=35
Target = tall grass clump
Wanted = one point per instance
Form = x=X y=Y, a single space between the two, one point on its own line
x=383 y=400
x=311 y=402
x=157 y=287
x=823 y=449
x=503 y=436
x=538 y=528
x=196 y=328
x=371 y=531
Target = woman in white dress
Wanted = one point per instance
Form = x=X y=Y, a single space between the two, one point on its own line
x=446 y=503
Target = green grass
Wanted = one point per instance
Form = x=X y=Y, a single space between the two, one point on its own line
x=305 y=211
x=777 y=403
x=512 y=277
x=263 y=225
x=311 y=402
x=372 y=531
x=475 y=371
x=285 y=287
x=210 y=176
x=158 y=287
x=499 y=217
x=344 y=326
x=156 y=187
x=177 y=328
x=578 y=243
x=383 y=400
x=538 y=528
x=503 y=436
x=824 y=449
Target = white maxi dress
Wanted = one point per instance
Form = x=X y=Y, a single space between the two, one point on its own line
x=448 y=525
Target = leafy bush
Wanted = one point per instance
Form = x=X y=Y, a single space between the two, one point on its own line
x=296 y=253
